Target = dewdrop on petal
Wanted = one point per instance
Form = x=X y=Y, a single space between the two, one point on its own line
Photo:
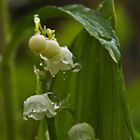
x=66 y=55
x=56 y=58
x=63 y=61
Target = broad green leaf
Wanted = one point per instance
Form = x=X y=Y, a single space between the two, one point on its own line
x=82 y=131
x=108 y=11
x=90 y=20
x=98 y=27
x=96 y=92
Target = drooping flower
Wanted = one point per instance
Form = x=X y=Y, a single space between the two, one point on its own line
x=56 y=57
x=39 y=106
x=63 y=61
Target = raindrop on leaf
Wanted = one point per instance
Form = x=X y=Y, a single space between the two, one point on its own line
x=76 y=67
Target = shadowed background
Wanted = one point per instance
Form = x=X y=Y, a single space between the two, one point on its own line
x=128 y=30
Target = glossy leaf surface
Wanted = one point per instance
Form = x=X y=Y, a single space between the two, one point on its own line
x=91 y=20
x=96 y=92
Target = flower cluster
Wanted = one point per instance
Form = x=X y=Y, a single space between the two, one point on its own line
x=56 y=57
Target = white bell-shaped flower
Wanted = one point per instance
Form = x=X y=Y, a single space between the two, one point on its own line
x=39 y=106
x=63 y=61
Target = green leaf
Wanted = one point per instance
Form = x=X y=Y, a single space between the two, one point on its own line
x=106 y=8
x=92 y=21
x=97 y=92
x=97 y=27
x=82 y=131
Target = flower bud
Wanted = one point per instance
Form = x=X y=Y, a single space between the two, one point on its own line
x=52 y=49
x=37 y=43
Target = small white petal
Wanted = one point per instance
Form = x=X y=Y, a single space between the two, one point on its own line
x=63 y=61
x=66 y=55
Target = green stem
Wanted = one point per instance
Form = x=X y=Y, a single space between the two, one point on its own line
x=3 y=25
x=38 y=84
x=50 y=121
x=42 y=130
x=7 y=75
x=9 y=99
x=51 y=128
x=38 y=89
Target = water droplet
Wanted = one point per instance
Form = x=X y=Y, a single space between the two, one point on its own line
x=34 y=111
x=66 y=55
x=43 y=57
x=25 y=117
x=57 y=105
x=76 y=67
x=55 y=101
x=101 y=5
x=41 y=64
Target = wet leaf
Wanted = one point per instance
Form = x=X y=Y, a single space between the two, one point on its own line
x=92 y=21
x=97 y=92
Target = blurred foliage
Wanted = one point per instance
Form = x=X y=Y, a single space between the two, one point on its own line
x=25 y=60
x=133 y=90
x=125 y=27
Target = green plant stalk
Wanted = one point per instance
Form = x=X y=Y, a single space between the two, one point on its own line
x=42 y=130
x=38 y=86
x=9 y=99
x=7 y=75
x=3 y=25
x=50 y=121
x=51 y=128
